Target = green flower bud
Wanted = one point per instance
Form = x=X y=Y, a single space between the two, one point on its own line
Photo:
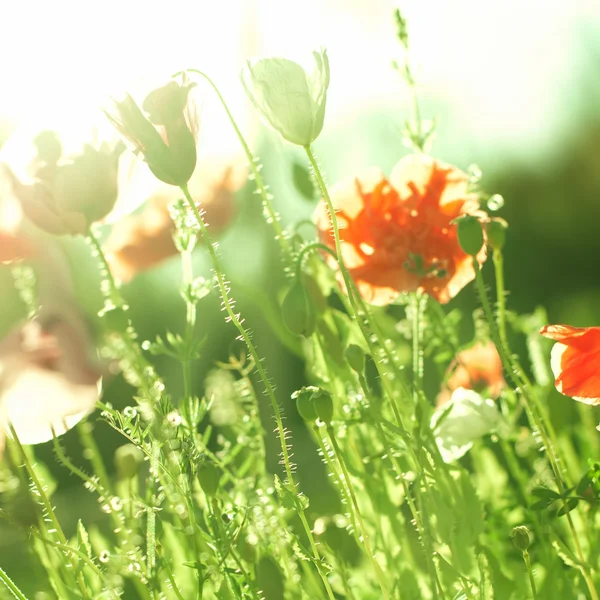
x=356 y=358
x=470 y=234
x=209 y=476
x=520 y=537
x=128 y=459
x=323 y=404
x=495 y=230
x=304 y=403
x=315 y=294
x=298 y=312
x=289 y=97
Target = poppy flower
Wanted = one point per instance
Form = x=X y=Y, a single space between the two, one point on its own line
x=398 y=233
x=66 y=194
x=288 y=95
x=166 y=134
x=575 y=361
x=477 y=368
x=144 y=240
x=47 y=379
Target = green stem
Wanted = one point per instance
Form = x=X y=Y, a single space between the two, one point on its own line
x=358 y=515
x=520 y=381
x=48 y=508
x=7 y=581
x=235 y=318
x=272 y=215
x=527 y=560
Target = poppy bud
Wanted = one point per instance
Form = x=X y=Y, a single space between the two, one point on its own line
x=323 y=405
x=67 y=198
x=209 y=477
x=291 y=99
x=128 y=459
x=356 y=358
x=520 y=537
x=167 y=137
x=470 y=234
x=304 y=403
x=495 y=230
x=298 y=312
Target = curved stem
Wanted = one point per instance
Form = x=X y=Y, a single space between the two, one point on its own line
x=527 y=560
x=244 y=335
x=272 y=215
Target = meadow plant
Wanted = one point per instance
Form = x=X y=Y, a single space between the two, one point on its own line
x=449 y=477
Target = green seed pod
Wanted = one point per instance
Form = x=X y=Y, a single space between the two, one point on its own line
x=356 y=358
x=209 y=476
x=304 y=403
x=298 y=312
x=520 y=537
x=323 y=404
x=470 y=234
x=495 y=230
x=128 y=459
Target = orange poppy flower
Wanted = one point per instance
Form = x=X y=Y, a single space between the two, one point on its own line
x=575 y=361
x=142 y=241
x=397 y=234
x=477 y=368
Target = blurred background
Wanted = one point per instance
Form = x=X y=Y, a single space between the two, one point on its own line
x=515 y=86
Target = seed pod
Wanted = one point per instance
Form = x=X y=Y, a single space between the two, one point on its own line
x=323 y=404
x=298 y=312
x=520 y=537
x=495 y=230
x=470 y=234
x=304 y=403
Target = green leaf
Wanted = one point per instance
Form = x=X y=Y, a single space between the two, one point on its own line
x=567 y=507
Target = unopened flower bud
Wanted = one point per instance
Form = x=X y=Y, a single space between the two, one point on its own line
x=470 y=234
x=356 y=358
x=166 y=138
x=298 y=312
x=291 y=98
x=520 y=537
x=128 y=459
x=495 y=230
x=323 y=404
x=304 y=403
x=209 y=477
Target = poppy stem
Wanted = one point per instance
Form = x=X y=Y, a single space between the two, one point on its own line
x=356 y=510
x=270 y=213
x=244 y=335
x=527 y=560
x=50 y=514
x=522 y=383
x=354 y=298
x=7 y=581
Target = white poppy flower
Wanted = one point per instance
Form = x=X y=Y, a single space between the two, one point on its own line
x=465 y=418
x=291 y=98
x=47 y=381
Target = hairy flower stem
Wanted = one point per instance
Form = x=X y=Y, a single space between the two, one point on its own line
x=190 y=324
x=527 y=560
x=423 y=533
x=7 y=581
x=270 y=392
x=354 y=299
x=356 y=509
x=50 y=514
x=272 y=216
x=518 y=379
